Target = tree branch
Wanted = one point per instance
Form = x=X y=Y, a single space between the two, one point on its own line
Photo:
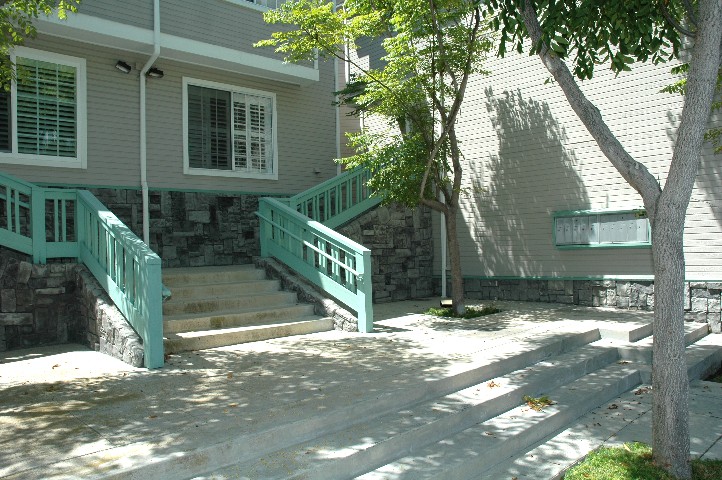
x=634 y=172
x=668 y=16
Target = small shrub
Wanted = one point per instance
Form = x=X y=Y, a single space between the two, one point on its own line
x=471 y=312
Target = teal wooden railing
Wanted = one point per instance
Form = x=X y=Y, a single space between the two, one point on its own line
x=68 y=223
x=340 y=266
x=337 y=200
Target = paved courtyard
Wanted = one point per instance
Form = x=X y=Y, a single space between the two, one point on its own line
x=66 y=412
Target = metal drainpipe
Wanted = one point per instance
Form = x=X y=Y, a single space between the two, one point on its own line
x=337 y=86
x=443 y=253
x=143 y=139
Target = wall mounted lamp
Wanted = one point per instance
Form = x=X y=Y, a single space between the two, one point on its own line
x=123 y=67
x=154 y=72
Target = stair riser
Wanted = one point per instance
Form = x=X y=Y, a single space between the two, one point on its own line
x=231 y=276
x=491 y=456
x=407 y=442
x=643 y=353
x=223 y=290
x=176 y=345
x=224 y=304
x=237 y=319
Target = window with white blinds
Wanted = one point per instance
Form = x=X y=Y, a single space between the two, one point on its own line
x=229 y=131
x=42 y=118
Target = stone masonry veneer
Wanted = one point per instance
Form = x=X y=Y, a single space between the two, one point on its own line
x=191 y=229
x=401 y=243
x=702 y=299
x=60 y=303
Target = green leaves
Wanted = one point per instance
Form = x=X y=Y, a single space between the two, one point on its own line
x=430 y=47
x=16 y=24
x=590 y=33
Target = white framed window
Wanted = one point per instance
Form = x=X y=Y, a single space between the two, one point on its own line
x=43 y=116
x=228 y=131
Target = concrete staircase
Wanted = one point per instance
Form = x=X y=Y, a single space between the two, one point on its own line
x=217 y=306
x=473 y=424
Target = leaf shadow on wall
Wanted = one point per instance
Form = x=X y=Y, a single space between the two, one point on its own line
x=533 y=174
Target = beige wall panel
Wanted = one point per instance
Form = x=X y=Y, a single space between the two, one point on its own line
x=306 y=127
x=527 y=156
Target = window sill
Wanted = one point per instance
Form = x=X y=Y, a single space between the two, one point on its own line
x=604 y=245
x=42 y=161
x=230 y=174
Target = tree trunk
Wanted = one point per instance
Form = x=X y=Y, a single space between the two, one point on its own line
x=670 y=384
x=457 y=280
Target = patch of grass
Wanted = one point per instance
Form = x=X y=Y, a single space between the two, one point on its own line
x=633 y=461
x=471 y=312
x=537 y=403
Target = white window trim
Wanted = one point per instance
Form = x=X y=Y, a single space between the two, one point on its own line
x=80 y=161
x=229 y=173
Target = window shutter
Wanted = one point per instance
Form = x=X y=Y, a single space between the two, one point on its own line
x=253 y=135
x=5 y=131
x=46 y=108
x=209 y=128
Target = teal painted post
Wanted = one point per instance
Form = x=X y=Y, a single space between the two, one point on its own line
x=264 y=228
x=80 y=225
x=153 y=303
x=37 y=229
x=363 y=292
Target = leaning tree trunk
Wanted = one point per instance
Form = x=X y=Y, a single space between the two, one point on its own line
x=457 y=281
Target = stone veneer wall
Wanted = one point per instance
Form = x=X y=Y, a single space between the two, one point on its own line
x=702 y=299
x=191 y=229
x=60 y=303
x=401 y=243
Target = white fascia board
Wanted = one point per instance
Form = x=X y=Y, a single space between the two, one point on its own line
x=98 y=31
x=107 y=33
x=223 y=58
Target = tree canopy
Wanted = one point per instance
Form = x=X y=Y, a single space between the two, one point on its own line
x=431 y=48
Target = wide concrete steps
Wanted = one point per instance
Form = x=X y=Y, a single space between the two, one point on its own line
x=471 y=424
x=550 y=457
x=218 y=306
x=384 y=439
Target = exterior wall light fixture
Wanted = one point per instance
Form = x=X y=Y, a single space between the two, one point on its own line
x=123 y=67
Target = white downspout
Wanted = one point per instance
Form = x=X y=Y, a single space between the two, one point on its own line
x=337 y=87
x=143 y=139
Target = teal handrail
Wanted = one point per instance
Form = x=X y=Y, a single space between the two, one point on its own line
x=337 y=200
x=340 y=266
x=68 y=223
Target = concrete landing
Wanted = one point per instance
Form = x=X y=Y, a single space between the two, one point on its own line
x=66 y=412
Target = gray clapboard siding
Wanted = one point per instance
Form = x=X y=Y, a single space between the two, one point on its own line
x=528 y=156
x=138 y=13
x=306 y=127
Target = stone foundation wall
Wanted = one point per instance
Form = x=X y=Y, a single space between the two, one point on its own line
x=37 y=302
x=191 y=229
x=103 y=328
x=401 y=243
x=60 y=303
x=702 y=299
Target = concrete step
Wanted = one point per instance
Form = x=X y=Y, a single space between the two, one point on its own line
x=468 y=453
x=641 y=351
x=234 y=318
x=372 y=443
x=222 y=289
x=232 y=302
x=552 y=456
x=335 y=413
x=198 y=340
x=178 y=277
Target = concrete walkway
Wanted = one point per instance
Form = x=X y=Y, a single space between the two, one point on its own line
x=67 y=412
